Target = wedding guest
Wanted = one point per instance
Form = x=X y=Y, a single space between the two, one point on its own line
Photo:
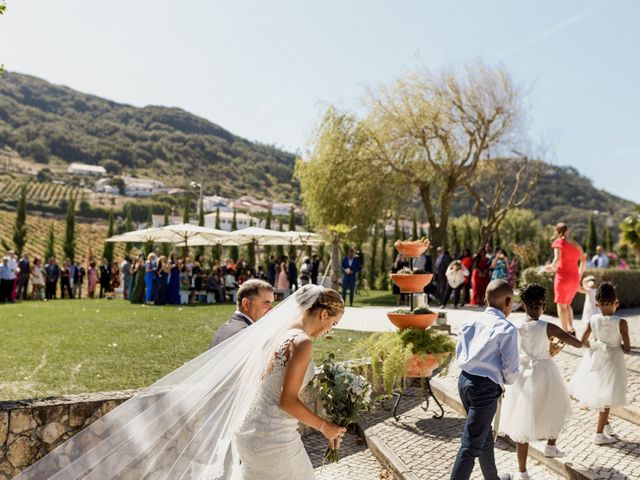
x=150 y=278
x=115 y=280
x=487 y=354
x=78 y=280
x=138 y=290
x=163 y=281
x=92 y=279
x=315 y=268
x=37 y=279
x=350 y=267
x=600 y=259
x=51 y=275
x=466 y=262
x=65 y=279
x=105 y=278
x=456 y=275
x=260 y=275
x=174 y=280
x=398 y=265
x=125 y=270
x=13 y=269
x=282 y=281
x=500 y=266
x=215 y=286
x=480 y=277
x=6 y=281
x=442 y=263
x=272 y=270
x=305 y=271
x=255 y=299
x=292 y=271
x=24 y=271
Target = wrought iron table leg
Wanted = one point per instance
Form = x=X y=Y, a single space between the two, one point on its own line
x=429 y=393
x=396 y=405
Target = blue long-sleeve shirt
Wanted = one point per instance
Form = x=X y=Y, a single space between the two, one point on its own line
x=488 y=347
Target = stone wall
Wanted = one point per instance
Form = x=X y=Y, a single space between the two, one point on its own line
x=30 y=429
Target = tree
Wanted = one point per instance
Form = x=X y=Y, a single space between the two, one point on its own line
x=414 y=228
x=129 y=226
x=292 y=227
x=217 y=249
x=630 y=232
x=383 y=283
x=69 y=247
x=280 y=248
x=20 y=227
x=372 y=261
x=51 y=244
x=187 y=205
x=607 y=238
x=165 y=248
x=339 y=145
x=520 y=226
x=396 y=231
x=200 y=250
x=591 y=239
x=107 y=251
x=3 y=8
x=112 y=166
x=434 y=130
x=233 y=251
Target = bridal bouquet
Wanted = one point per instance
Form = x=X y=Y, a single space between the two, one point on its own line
x=344 y=395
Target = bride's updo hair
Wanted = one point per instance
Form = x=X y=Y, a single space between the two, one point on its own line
x=313 y=298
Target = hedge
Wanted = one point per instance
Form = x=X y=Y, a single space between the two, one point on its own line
x=627 y=284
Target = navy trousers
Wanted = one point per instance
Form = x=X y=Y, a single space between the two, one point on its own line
x=479 y=397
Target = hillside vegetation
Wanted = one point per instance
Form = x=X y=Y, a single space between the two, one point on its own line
x=41 y=120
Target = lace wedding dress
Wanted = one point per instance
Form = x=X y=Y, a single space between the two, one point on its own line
x=268 y=442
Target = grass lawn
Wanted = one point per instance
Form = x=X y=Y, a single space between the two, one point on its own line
x=80 y=346
x=375 y=298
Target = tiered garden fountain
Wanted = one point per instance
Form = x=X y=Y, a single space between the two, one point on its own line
x=421 y=365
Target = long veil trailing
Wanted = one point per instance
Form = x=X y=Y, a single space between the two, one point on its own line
x=181 y=427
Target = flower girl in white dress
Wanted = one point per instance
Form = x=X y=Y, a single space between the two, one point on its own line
x=600 y=381
x=589 y=289
x=537 y=405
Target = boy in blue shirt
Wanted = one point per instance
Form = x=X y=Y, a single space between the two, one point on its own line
x=487 y=354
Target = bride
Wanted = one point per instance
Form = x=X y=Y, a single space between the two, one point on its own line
x=231 y=413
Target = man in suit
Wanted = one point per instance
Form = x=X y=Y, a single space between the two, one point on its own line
x=272 y=269
x=350 y=267
x=292 y=273
x=23 y=277
x=255 y=299
x=442 y=263
x=315 y=268
x=51 y=275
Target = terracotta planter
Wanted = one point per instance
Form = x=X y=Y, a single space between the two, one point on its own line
x=411 y=283
x=404 y=320
x=411 y=249
x=423 y=365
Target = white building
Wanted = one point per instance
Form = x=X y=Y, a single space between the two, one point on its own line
x=211 y=202
x=102 y=186
x=281 y=209
x=141 y=187
x=242 y=220
x=85 y=169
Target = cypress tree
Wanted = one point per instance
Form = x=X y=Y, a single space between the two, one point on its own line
x=372 y=261
x=129 y=227
x=591 y=240
x=149 y=217
x=69 y=247
x=280 y=248
x=607 y=238
x=165 y=248
x=456 y=240
x=267 y=248
x=200 y=250
x=292 y=228
x=414 y=230
x=51 y=245
x=187 y=206
x=234 y=226
x=467 y=237
x=107 y=251
x=20 y=227
x=396 y=231
x=384 y=279
x=217 y=249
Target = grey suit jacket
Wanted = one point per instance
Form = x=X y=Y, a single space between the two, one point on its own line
x=235 y=324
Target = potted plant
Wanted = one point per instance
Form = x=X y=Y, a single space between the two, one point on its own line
x=420 y=317
x=411 y=281
x=413 y=352
x=412 y=248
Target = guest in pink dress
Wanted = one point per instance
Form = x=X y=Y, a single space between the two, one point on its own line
x=92 y=277
x=568 y=263
x=282 y=280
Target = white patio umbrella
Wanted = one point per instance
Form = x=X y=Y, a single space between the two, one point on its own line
x=263 y=235
x=297 y=239
x=156 y=235
x=188 y=233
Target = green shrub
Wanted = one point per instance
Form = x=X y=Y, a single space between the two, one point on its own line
x=626 y=282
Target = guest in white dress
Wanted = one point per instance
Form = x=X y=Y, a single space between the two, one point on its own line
x=537 y=405
x=600 y=381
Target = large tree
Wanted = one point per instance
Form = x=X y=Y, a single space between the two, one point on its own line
x=107 y=251
x=20 y=227
x=630 y=232
x=436 y=129
x=50 y=250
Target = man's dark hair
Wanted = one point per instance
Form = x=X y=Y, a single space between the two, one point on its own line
x=251 y=288
x=533 y=295
x=606 y=293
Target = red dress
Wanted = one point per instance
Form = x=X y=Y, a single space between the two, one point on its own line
x=479 y=281
x=567 y=279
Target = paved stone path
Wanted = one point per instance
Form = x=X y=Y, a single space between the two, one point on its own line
x=356 y=463
x=428 y=446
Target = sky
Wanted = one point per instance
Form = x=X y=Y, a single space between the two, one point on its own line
x=265 y=70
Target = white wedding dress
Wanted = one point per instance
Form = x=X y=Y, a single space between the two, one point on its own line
x=268 y=442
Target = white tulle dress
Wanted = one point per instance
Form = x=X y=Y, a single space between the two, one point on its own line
x=590 y=308
x=537 y=405
x=268 y=443
x=600 y=381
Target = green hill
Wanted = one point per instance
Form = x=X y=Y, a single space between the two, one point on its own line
x=52 y=123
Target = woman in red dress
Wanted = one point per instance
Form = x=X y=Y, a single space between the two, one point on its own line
x=480 y=277
x=568 y=263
